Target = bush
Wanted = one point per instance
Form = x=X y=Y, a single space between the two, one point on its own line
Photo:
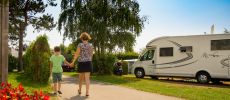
x=7 y=92
x=128 y=55
x=12 y=63
x=103 y=64
x=28 y=68
x=125 y=67
x=37 y=60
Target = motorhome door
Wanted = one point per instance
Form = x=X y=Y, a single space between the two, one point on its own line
x=148 y=61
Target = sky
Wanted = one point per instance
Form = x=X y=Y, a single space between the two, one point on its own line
x=165 y=18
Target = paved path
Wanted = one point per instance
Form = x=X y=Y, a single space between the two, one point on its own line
x=101 y=91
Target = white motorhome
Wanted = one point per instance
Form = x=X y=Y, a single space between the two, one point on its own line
x=204 y=57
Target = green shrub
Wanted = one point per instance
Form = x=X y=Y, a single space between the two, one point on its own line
x=127 y=55
x=37 y=60
x=67 y=53
x=28 y=68
x=103 y=64
x=95 y=66
x=12 y=63
x=125 y=67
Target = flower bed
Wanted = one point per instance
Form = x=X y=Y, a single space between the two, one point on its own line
x=7 y=92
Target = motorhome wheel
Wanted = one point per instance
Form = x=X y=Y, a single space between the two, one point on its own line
x=203 y=77
x=139 y=73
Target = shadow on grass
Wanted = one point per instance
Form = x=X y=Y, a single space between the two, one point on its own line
x=114 y=79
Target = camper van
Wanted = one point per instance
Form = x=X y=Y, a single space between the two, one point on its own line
x=204 y=57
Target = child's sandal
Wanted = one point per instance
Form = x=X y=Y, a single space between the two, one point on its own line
x=79 y=92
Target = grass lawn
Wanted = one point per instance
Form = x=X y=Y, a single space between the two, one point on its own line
x=186 y=90
x=16 y=78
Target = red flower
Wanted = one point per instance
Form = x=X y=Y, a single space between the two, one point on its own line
x=26 y=98
x=9 y=85
x=35 y=93
x=4 y=97
x=9 y=93
x=2 y=84
x=46 y=97
x=41 y=94
x=20 y=88
x=12 y=94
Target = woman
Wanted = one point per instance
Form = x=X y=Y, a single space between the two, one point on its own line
x=85 y=53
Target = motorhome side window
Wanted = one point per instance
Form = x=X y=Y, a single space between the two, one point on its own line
x=148 y=55
x=223 y=44
x=166 y=52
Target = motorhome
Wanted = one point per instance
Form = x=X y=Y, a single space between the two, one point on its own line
x=204 y=57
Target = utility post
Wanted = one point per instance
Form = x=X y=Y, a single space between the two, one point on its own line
x=4 y=19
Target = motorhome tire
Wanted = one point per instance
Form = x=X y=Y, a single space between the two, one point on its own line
x=203 y=77
x=139 y=73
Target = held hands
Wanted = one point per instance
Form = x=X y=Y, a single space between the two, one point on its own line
x=71 y=65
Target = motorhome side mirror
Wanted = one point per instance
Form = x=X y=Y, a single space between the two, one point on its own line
x=153 y=61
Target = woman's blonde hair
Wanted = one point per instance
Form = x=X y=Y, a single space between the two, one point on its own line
x=85 y=36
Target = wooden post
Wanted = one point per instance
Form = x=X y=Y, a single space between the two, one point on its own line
x=4 y=12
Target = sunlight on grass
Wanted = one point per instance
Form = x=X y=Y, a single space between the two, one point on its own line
x=191 y=91
x=16 y=78
x=29 y=85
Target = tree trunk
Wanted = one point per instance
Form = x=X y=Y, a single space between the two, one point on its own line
x=22 y=30
x=4 y=12
x=102 y=48
x=20 y=52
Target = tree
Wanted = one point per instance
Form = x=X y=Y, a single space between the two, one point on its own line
x=112 y=23
x=24 y=13
x=108 y=21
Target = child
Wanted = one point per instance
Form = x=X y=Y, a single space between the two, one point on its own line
x=56 y=67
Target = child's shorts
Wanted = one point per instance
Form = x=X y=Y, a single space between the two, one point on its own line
x=57 y=77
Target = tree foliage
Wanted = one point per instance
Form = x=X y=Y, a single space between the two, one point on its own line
x=127 y=55
x=28 y=12
x=112 y=23
x=67 y=52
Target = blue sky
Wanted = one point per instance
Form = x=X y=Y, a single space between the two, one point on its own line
x=165 y=18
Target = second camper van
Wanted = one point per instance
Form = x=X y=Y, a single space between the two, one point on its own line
x=204 y=57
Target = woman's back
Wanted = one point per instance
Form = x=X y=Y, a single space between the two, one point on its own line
x=86 y=52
